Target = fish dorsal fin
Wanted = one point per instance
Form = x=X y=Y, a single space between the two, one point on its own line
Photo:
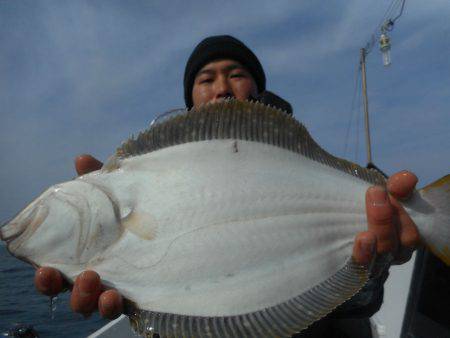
x=241 y=120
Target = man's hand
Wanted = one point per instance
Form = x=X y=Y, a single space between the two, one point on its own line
x=87 y=292
x=390 y=229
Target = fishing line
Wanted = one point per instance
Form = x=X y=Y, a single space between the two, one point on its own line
x=401 y=12
x=386 y=14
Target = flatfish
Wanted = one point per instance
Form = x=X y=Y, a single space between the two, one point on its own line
x=226 y=221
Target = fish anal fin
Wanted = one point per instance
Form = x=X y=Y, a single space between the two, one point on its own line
x=282 y=320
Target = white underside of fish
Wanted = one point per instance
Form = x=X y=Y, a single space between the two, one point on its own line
x=250 y=226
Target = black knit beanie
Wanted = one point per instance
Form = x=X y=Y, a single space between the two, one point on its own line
x=221 y=47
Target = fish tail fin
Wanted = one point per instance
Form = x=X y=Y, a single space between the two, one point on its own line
x=437 y=233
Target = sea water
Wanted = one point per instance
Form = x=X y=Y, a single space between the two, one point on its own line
x=21 y=303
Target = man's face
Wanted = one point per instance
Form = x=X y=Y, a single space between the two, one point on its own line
x=220 y=79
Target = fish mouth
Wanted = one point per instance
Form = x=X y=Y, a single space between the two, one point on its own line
x=12 y=229
x=30 y=218
x=5 y=233
x=3 y=229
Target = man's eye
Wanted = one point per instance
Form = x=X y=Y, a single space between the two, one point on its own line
x=206 y=80
x=237 y=75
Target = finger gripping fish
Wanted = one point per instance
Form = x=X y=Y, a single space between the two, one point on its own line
x=226 y=221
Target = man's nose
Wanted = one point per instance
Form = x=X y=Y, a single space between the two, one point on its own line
x=222 y=88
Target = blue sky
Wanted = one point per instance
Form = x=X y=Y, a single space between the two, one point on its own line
x=81 y=76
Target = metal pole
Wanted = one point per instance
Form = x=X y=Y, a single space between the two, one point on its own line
x=366 y=104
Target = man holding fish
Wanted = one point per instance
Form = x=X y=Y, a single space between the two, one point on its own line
x=222 y=67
